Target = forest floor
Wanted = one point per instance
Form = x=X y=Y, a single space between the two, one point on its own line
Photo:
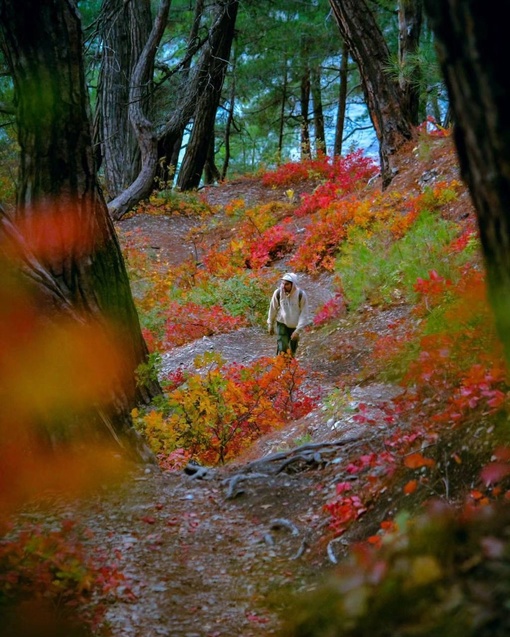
x=222 y=554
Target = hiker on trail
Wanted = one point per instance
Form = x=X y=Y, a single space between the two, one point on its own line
x=289 y=311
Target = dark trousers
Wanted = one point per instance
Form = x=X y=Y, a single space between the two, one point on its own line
x=284 y=342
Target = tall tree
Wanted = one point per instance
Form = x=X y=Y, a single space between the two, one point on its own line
x=125 y=28
x=70 y=255
x=141 y=121
x=410 y=14
x=167 y=172
x=388 y=110
x=304 y=100
x=318 y=110
x=478 y=83
x=213 y=66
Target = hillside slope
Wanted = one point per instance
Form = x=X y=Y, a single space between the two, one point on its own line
x=221 y=551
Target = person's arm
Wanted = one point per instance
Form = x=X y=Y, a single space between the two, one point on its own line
x=273 y=311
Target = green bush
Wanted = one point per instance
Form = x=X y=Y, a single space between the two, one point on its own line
x=241 y=295
x=374 y=268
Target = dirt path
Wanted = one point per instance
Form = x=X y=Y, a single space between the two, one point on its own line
x=220 y=554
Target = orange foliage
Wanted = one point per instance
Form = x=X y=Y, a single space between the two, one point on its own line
x=54 y=228
x=217 y=413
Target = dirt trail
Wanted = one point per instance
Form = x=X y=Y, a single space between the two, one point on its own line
x=220 y=554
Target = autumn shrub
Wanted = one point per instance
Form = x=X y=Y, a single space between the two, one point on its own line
x=55 y=568
x=242 y=295
x=446 y=572
x=169 y=201
x=375 y=268
x=140 y=263
x=459 y=360
x=259 y=236
x=332 y=309
x=222 y=408
x=273 y=244
x=189 y=321
x=347 y=172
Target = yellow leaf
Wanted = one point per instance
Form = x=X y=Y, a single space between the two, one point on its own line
x=425 y=569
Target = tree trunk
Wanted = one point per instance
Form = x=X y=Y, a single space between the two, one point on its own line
x=125 y=28
x=304 y=97
x=143 y=127
x=304 y=102
x=281 y=122
x=211 y=171
x=476 y=75
x=198 y=85
x=167 y=169
x=410 y=14
x=388 y=111
x=214 y=63
x=318 y=112
x=228 y=126
x=61 y=231
x=342 y=101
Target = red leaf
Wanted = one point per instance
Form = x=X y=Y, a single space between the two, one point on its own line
x=495 y=472
x=410 y=487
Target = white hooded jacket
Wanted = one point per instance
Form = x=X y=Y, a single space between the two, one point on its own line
x=290 y=309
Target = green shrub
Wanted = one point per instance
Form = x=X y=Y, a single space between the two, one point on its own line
x=374 y=268
x=241 y=295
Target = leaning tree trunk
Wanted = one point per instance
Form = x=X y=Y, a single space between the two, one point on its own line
x=215 y=65
x=476 y=75
x=68 y=251
x=125 y=28
x=144 y=129
x=167 y=168
x=388 y=111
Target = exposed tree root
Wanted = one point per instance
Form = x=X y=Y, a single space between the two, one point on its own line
x=280 y=523
x=235 y=480
x=311 y=454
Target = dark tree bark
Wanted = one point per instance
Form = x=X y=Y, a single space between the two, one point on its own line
x=167 y=171
x=144 y=130
x=410 y=17
x=342 y=101
x=318 y=111
x=388 y=111
x=228 y=126
x=201 y=82
x=304 y=98
x=125 y=28
x=304 y=102
x=476 y=75
x=214 y=67
x=283 y=102
x=211 y=171
x=67 y=249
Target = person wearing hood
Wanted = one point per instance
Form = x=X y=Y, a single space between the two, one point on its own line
x=288 y=311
